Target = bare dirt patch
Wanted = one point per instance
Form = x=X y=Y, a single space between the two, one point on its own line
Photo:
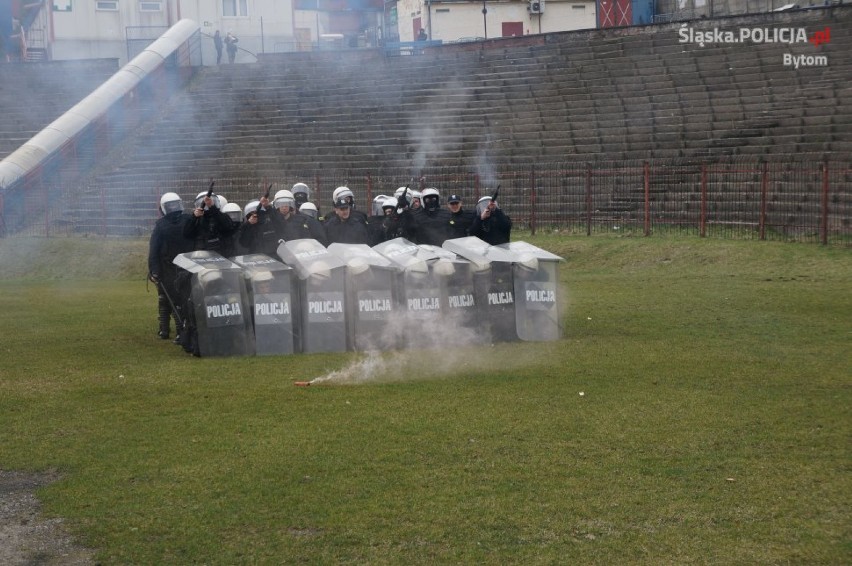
x=26 y=536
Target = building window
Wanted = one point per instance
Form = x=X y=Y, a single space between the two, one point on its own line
x=108 y=5
x=234 y=8
x=149 y=6
x=61 y=5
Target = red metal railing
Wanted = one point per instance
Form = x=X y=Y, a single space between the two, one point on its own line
x=808 y=201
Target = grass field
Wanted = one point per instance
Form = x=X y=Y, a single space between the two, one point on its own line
x=696 y=411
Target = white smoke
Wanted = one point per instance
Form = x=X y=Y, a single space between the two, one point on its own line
x=426 y=131
x=446 y=342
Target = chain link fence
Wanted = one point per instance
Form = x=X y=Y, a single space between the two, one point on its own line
x=805 y=201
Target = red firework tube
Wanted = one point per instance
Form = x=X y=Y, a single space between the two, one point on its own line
x=301 y=383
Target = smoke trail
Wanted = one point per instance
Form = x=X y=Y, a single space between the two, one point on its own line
x=369 y=368
x=450 y=335
x=427 y=129
x=485 y=163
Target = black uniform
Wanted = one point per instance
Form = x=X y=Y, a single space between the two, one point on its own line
x=460 y=223
x=496 y=229
x=353 y=214
x=392 y=226
x=431 y=226
x=262 y=237
x=209 y=231
x=353 y=230
x=299 y=226
x=167 y=241
x=231 y=244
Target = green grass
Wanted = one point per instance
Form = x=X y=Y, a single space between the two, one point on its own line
x=714 y=425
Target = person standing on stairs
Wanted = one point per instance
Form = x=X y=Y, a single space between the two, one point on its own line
x=218 y=44
x=231 y=46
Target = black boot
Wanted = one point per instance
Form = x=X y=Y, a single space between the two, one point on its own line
x=163 y=315
x=178 y=326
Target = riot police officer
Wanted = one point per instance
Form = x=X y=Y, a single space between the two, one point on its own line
x=302 y=194
x=393 y=224
x=432 y=226
x=259 y=232
x=344 y=228
x=490 y=223
x=231 y=245
x=346 y=192
x=208 y=226
x=310 y=209
x=167 y=241
x=290 y=225
x=461 y=219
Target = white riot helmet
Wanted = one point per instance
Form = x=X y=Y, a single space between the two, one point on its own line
x=431 y=198
x=482 y=204
x=233 y=211
x=357 y=265
x=262 y=280
x=262 y=276
x=218 y=200
x=528 y=262
x=388 y=203
x=212 y=281
x=284 y=198
x=443 y=267
x=309 y=209
x=319 y=269
x=342 y=192
x=377 y=205
x=408 y=194
x=250 y=208
x=416 y=197
x=170 y=202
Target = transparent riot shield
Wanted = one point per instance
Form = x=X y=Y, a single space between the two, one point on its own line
x=219 y=305
x=454 y=275
x=417 y=288
x=270 y=286
x=536 y=282
x=371 y=301
x=493 y=282
x=322 y=295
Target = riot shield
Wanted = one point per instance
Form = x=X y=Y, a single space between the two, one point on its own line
x=219 y=304
x=371 y=301
x=416 y=287
x=454 y=275
x=493 y=285
x=270 y=286
x=322 y=297
x=536 y=283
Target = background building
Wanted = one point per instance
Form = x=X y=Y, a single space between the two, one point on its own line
x=453 y=20
x=120 y=29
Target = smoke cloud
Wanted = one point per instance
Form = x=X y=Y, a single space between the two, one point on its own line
x=447 y=342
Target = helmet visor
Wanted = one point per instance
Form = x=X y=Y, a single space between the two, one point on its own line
x=172 y=206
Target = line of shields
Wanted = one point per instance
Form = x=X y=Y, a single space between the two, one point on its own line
x=394 y=295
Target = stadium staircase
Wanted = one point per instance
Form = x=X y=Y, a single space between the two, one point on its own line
x=617 y=94
x=35 y=94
